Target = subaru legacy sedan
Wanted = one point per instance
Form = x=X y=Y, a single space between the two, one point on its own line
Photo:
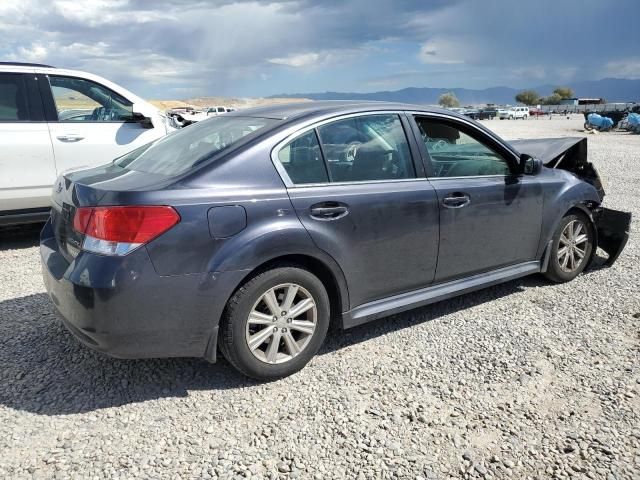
x=251 y=232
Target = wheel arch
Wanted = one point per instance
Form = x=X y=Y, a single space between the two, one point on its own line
x=325 y=269
x=586 y=208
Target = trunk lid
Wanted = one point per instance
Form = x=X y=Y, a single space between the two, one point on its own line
x=106 y=185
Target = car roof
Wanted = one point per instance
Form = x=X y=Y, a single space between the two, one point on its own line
x=310 y=109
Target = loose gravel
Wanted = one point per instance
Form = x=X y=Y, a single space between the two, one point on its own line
x=522 y=380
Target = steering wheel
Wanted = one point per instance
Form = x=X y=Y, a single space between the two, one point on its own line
x=351 y=151
x=439 y=145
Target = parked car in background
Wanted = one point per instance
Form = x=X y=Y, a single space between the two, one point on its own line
x=515 y=113
x=488 y=113
x=54 y=120
x=252 y=231
x=187 y=118
x=536 y=112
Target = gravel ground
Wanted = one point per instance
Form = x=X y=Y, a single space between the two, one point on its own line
x=522 y=380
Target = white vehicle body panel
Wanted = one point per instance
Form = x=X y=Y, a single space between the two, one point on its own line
x=34 y=153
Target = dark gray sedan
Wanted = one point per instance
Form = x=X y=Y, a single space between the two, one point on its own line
x=255 y=230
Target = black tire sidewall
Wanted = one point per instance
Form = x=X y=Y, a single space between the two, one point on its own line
x=235 y=347
x=554 y=271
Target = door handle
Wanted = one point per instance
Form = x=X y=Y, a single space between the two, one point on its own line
x=328 y=211
x=70 y=137
x=456 y=200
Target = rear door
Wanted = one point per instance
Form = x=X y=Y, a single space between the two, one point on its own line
x=355 y=187
x=91 y=124
x=27 y=168
x=490 y=216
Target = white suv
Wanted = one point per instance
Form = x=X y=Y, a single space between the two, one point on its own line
x=54 y=120
x=514 y=112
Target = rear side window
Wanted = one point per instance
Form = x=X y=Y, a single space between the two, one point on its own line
x=193 y=145
x=13 y=98
x=371 y=147
x=302 y=160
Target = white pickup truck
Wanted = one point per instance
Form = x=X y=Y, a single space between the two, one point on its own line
x=54 y=120
x=514 y=113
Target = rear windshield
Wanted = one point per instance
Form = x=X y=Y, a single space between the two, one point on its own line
x=186 y=148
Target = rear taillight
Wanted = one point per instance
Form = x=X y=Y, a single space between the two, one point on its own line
x=119 y=230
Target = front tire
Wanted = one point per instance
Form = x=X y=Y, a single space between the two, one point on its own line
x=571 y=248
x=275 y=323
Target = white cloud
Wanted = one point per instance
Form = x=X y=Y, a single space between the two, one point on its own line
x=297 y=60
x=439 y=51
x=624 y=68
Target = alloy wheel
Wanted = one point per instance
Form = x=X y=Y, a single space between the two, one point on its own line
x=573 y=246
x=281 y=323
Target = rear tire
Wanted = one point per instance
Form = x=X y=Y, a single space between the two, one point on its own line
x=571 y=248
x=256 y=317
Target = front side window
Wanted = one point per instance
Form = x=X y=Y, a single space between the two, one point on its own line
x=80 y=100
x=455 y=153
x=362 y=148
x=13 y=98
x=192 y=146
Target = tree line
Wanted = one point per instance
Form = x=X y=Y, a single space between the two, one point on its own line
x=528 y=97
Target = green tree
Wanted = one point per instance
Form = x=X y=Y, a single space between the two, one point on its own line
x=528 y=97
x=563 y=92
x=448 y=100
x=552 y=99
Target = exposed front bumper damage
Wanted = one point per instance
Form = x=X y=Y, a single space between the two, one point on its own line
x=613 y=231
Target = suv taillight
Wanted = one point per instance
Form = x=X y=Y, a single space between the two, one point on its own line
x=119 y=230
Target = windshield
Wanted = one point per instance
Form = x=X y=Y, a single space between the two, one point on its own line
x=184 y=149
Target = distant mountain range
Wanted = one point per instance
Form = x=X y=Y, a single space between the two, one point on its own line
x=611 y=89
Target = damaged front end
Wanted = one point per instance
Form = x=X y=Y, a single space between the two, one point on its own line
x=613 y=231
x=570 y=154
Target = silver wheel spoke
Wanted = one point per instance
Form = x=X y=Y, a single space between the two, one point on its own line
x=562 y=251
x=292 y=291
x=303 y=326
x=565 y=260
x=577 y=228
x=579 y=253
x=564 y=240
x=259 y=338
x=292 y=346
x=258 y=318
x=301 y=307
x=581 y=239
x=572 y=261
x=274 y=344
x=272 y=302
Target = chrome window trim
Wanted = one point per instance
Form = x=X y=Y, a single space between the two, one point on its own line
x=283 y=173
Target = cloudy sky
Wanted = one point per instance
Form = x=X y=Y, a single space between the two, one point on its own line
x=187 y=48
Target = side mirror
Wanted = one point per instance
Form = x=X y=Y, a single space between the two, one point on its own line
x=530 y=165
x=140 y=117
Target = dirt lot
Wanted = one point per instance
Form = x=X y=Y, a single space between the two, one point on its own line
x=522 y=380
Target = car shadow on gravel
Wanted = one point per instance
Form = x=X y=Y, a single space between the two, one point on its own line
x=23 y=236
x=44 y=370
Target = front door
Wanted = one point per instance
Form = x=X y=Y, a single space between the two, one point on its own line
x=490 y=216
x=94 y=126
x=354 y=186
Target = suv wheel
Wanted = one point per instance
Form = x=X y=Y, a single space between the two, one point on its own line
x=275 y=323
x=571 y=248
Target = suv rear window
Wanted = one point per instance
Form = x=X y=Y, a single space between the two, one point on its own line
x=13 y=99
x=193 y=145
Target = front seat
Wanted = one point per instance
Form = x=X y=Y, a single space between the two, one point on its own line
x=369 y=164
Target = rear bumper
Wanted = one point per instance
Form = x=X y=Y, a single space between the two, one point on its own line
x=120 y=306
